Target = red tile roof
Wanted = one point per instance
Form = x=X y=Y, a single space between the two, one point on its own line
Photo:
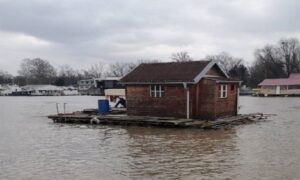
x=294 y=79
x=294 y=76
x=166 y=72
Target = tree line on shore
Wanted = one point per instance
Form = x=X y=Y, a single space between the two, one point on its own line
x=39 y=71
x=271 y=61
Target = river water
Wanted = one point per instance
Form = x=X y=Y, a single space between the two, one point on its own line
x=32 y=147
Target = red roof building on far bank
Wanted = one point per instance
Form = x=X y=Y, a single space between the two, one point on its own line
x=282 y=86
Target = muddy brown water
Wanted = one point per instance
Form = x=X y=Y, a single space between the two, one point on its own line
x=32 y=147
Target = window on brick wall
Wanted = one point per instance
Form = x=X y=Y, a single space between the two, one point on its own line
x=232 y=87
x=157 y=91
x=223 y=91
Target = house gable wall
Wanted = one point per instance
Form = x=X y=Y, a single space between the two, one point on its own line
x=226 y=106
x=206 y=101
x=215 y=71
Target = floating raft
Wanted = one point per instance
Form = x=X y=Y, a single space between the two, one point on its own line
x=123 y=119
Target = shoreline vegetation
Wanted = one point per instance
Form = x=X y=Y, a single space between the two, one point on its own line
x=271 y=61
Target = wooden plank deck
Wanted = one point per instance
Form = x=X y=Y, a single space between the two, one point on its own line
x=122 y=119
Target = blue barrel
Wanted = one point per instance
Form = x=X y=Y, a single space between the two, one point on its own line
x=103 y=106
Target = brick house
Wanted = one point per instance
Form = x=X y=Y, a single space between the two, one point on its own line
x=194 y=89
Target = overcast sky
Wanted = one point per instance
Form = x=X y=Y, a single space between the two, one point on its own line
x=84 y=32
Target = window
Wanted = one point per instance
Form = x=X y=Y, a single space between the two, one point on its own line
x=223 y=90
x=157 y=91
x=232 y=87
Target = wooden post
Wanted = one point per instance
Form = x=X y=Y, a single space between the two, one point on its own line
x=65 y=108
x=197 y=100
x=188 y=103
x=65 y=111
x=187 y=100
x=237 y=99
x=57 y=110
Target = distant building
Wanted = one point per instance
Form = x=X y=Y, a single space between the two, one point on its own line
x=85 y=85
x=96 y=87
x=39 y=90
x=6 y=90
x=194 y=89
x=44 y=90
x=69 y=91
x=280 y=87
x=245 y=91
x=1 y=89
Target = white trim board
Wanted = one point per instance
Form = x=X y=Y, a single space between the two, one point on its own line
x=206 y=69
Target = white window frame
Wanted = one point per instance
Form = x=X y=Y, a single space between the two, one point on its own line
x=156 y=91
x=223 y=91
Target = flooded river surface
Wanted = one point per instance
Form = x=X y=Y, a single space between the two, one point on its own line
x=32 y=147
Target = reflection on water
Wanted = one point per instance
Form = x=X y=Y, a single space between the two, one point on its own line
x=178 y=152
x=32 y=147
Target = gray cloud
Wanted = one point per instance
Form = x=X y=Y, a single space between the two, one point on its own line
x=82 y=32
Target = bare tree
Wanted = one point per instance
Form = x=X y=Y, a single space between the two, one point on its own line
x=233 y=66
x=67 y=76
x=37 y=71
x=96 y=70
x=270 y=59
x=289 y=51
x=181 y=57
x=19 y=80
x=5 y=77
x=226 y=61
x=268 y=64
x=67 y=71
x=120 y=69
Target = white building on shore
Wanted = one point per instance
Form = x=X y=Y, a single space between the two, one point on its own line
x=69 y=91
x=41 y=90
x=38 y=90
x=6 y=90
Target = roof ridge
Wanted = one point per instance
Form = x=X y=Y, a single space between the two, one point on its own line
x=174 y=62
